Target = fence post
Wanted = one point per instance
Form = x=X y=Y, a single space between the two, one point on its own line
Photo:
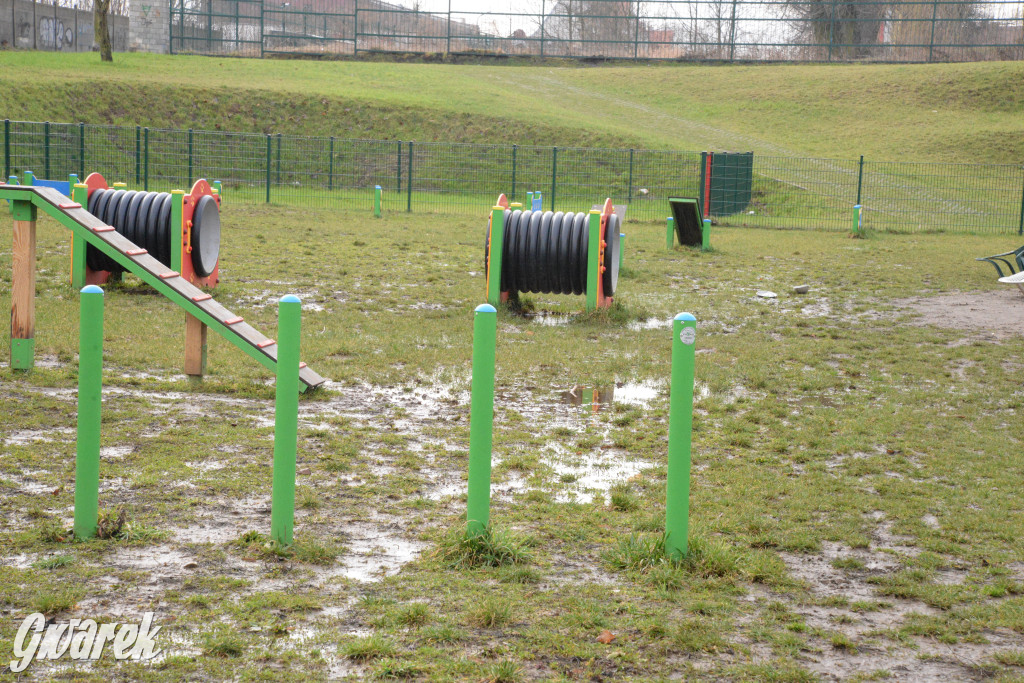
x=145 y=156
x=629 y=192
x=554 y=174
x=286 y=421
x=543 y=11
x=399 y=166
x=330 y=167
x=138 y=156
x=408 y=181
x=90 y=397
x=46 y=134
x=481 y=420
x=268 y=163
x=831 y=29
x=355 y=33
x=680 y=433
x=7 y=148
x=860 y=177
x=278 y=177
x=1020 y=227
x=931 y=40
x=189 y=157
x=81 y=151
x=515 y=149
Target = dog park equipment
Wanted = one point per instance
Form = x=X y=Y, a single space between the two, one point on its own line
x=376 y=201
x=182 y=231
x=90 y=395
x=481 y=420
x=680 y=428
x=555 y=253
x=726 y=182
x=200 y=306
x=680 y=434
x=858 y=220
x=1013 y=260
x=286 y=420
x=1015 y=279
x=689 y=226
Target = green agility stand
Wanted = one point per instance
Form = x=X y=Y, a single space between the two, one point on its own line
x=481 y=420
x=90 y=394
x=286 y=421
x=680 y=431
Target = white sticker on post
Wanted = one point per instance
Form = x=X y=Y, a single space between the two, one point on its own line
x=688 y=336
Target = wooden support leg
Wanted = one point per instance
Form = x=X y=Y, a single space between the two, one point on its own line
x=195 y=346
x=23 y=286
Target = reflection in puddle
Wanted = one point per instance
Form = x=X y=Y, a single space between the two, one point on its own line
x=549 y=319
x=635 y=393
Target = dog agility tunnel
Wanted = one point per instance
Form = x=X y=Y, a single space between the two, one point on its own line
x=547 y=252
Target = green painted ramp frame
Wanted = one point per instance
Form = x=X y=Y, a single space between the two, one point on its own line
x=689 y=224
x=182 y=293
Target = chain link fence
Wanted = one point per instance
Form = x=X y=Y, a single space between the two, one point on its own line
x=699 y=30
x=464 y=178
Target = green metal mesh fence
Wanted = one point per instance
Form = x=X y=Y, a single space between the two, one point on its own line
x=462 y=178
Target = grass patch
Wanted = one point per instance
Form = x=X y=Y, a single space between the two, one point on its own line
x=492 y=548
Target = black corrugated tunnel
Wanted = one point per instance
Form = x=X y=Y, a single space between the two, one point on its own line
x=145 y=219
x=547 y=252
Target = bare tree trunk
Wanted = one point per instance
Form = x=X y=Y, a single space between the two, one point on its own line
x=101 y=8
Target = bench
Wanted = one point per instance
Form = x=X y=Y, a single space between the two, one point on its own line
x=1013 y=260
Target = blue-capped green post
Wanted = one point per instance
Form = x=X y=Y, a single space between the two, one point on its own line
x=481 y=420
x=680 y=431
x=286 y=421
x=705 y=235
x=376 y=201
x=669 y=239
x=90 y=394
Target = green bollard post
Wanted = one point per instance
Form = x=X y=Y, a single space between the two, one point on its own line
x=90 y=394
x=219 y=187
x=858 y=220
x=30 y=178
x=529 y=200
x=481 y=420
x=73 y=180
x=705 y=235
x=669 y=234
x=286 y=421
x=495 y=255
x=593 y=259
x=622 y=249
x=376 y=201
x=680 y=432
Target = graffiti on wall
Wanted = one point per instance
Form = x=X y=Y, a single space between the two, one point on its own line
x=53 y=35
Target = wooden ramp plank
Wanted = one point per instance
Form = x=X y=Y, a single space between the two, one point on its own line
x=143 y=264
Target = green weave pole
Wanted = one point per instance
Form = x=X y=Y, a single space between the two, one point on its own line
x=481 y=420
x=669 y=239
x=497 y=251
x=286 y=421
x=90 y=390
x=680 y=431
x=30 y=178
x=705 y=235
x=593 y=259
x=622 y=249
x=376 y=201
x=858 y=216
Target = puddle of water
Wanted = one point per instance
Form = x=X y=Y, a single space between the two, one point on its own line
x=374 y=552
x=549 y=319
x=634 y=393
x=25 y=437
x=650 y=324
x=592 y=474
